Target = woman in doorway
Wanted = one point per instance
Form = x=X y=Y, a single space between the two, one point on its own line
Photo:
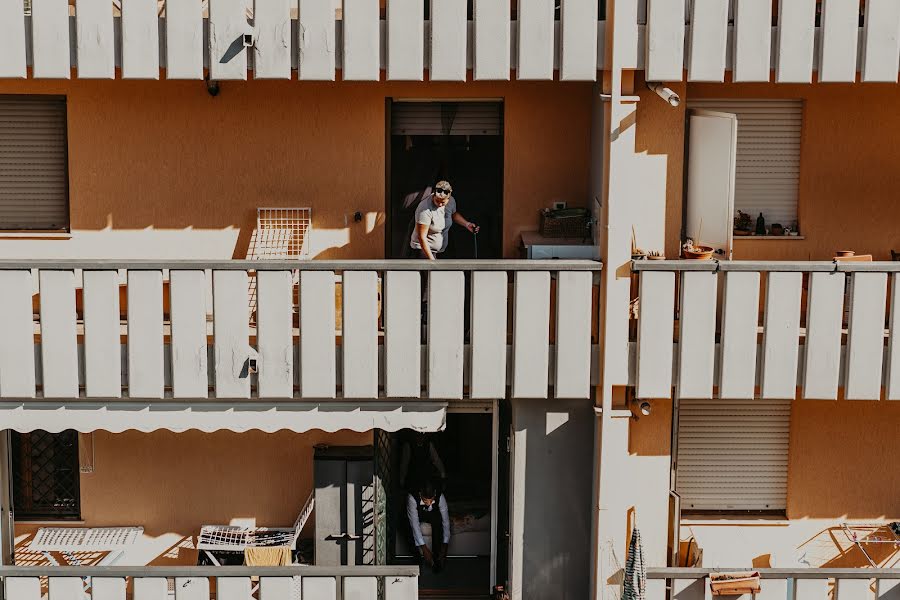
x=435 y=214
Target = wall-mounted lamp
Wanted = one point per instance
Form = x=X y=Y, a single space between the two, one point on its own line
x=665 y=93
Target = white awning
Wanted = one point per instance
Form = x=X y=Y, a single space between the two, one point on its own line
x=117 y=416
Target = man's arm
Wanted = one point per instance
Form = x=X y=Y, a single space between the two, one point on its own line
x=445 y=517
x=462 y=222
x=422 y=233
x=412 y=513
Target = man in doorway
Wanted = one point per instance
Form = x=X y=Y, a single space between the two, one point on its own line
x=428 y=506
x=435 y=214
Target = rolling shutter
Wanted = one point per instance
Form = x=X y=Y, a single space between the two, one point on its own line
x=33 y=163
x=767 y=177
x=447 y=118
x=733 y=454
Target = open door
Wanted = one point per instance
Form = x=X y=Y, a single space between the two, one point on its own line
x=712 y=153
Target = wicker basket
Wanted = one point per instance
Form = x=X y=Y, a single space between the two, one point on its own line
x=565 y=223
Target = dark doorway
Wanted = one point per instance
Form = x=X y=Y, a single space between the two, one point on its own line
x=461 y=142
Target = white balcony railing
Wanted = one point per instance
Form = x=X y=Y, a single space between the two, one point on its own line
x=764 y=329
x=782 y=584
x=292 y=329
x=202 y=583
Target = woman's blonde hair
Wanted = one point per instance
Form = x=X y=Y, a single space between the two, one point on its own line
x=444 y=184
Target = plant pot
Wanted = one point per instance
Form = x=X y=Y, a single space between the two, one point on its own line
x=742 y=232
x=698 y=253
x=734 y=584
x=656 y=257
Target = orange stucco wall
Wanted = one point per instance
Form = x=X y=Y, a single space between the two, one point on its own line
x=167 y=156
x=173 y=483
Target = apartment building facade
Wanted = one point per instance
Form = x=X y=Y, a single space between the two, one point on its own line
x=211 y=321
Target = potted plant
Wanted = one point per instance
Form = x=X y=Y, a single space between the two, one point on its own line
x=743 y=223
x=734 y=584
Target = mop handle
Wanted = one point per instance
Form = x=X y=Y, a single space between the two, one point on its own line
x=475 y=243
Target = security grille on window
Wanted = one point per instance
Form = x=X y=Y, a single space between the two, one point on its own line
x=767 y=175
x=732 y=455
x=45 y=475
x=33 y=164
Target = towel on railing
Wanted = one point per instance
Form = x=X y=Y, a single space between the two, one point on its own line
x=267 y=556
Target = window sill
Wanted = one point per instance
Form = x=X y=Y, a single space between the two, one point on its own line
x=789 y=238
x=35 y=235
x=726 y=521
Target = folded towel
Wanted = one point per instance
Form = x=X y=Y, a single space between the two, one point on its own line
x=267 y=556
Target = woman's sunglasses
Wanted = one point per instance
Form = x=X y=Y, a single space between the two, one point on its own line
x=442 y=191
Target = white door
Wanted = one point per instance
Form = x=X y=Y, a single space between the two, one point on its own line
x=712 y=154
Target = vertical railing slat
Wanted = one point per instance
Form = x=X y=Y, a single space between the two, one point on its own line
x=740 y=319
x=824 y=313
x=573 y=334
x=531 y=334
x=853 y=589
x=191 y=588
x=887 y=589
x=317 y=343
x=449 y=35
x=402 y=334
x=665 y=40
x=360 y=588
x=66 y=588
x=536 y=39
x=656 y=322
x=892 y=391
x=708 y=40
x=233 y=588
x=812 y=589
x=316 y=43
x=361 y=40
x=50 y=39
x=319 y=588
x=839 y=41
x=17 y=375
x=796 y=35
x=140 y=40
x=578 y=47
x=59 y=350
x=865 y=336
x=492 y=39
x=781 y=333
x=22 y=588
x=276 y=588
x=405 y=40
x=446 y=296
x=109 y=588
x=488 y=334
x=360 y=334
x=227 y=26
x=274 y=333
x=231 y=331
x=752 y=40
x=187 y=291
x=697 y=334
x=146 y=359
x=689 y=589
x=95 y=43
x=151 y=588
x=401 y=588
x=272 y=39
x=773 y=589
x=102 y=335
x=184 y=40
x=12 y=39
x=881 y=41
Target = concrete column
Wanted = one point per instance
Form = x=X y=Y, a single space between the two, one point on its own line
x=629 y=487
x=7 y=534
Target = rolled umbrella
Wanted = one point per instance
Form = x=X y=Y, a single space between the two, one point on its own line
x=635 y=570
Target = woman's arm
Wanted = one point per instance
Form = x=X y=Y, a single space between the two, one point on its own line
x=462 y=222
x=422 y=233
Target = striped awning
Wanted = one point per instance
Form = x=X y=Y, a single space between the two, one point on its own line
x=118 y=416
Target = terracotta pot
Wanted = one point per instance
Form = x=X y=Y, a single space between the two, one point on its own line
x=734 y=584
x=699 y=253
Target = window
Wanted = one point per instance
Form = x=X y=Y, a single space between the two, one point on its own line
x=46 y=475
x=34 y=177
x=732 y=455
x=767 y=176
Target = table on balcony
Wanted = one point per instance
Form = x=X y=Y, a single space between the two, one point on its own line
x=69 y=541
